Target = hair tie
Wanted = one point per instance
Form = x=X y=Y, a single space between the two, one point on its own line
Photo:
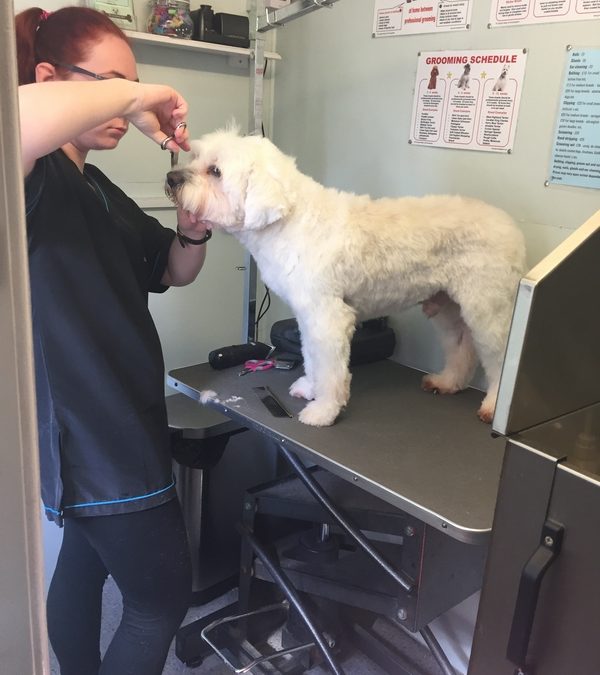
x=43 y=17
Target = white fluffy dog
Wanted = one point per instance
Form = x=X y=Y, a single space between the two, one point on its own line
x=337 y=258
x=500 y=84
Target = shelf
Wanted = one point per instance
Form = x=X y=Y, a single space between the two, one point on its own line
x=195 y=45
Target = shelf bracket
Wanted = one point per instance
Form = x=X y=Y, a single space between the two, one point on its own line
x=276 y=18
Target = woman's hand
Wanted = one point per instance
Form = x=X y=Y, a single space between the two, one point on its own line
x=185 y=262
x=158 y=112
x=190 y=225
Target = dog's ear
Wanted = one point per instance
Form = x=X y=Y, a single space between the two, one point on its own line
x=267 y=201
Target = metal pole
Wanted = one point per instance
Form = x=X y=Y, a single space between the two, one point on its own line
x=349 y=527
x=437 y=651
x=286 y=586
x=256 y=66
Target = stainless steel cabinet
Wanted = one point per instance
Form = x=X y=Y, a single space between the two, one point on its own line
x=540 y=604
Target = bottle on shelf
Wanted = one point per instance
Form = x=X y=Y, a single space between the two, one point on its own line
x=171 y=18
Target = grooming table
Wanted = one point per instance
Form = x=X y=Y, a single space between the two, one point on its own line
x=425 y=457
x=428 y=455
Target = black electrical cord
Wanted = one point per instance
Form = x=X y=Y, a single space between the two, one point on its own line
x=262 y=124
x=261 y=313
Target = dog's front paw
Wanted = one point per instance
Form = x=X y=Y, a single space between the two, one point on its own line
x=318 y=414
x=302 y=388
x=439 y=384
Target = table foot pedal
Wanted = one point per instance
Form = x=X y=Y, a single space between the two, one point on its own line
x=229 y=637
x=190 y=648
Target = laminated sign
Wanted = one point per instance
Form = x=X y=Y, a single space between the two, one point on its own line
x=407 y=17
x=511 y=12
x=576 y=150
x=468 y=100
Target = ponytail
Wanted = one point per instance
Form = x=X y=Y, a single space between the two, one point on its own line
x=26 y=26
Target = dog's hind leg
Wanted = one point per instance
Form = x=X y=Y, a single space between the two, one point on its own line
x=492 y=356
x=326 y=334
x=491 y=360
x=457 y=344
x=489 y=325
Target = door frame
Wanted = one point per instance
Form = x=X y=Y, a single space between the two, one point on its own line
x=23 y=633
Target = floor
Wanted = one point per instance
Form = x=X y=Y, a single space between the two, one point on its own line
x=419 y=660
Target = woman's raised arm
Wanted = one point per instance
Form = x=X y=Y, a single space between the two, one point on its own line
x=53 y=113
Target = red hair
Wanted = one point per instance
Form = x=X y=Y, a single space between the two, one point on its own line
x=64 y=36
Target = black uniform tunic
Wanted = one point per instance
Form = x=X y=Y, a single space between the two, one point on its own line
x=94 y=255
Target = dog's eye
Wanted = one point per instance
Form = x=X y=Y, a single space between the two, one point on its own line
x=214 y=171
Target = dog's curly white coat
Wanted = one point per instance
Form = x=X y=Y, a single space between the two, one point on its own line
x=337 y=258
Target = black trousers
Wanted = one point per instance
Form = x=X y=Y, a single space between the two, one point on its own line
x=147 y=555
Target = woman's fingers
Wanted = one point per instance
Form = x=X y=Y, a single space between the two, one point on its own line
x=162 y=115
x=178 y=140
x=182 y=136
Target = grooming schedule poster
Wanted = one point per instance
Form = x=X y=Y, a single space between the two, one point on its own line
x=468 y=100
x=407 y=17
x=510 y=12
x=576 y=152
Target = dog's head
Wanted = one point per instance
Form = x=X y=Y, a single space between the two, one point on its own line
x=234 y=182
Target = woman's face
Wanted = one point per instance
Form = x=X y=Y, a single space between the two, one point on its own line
x=110 y=57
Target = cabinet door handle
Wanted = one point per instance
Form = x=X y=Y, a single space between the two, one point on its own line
x=529 y=589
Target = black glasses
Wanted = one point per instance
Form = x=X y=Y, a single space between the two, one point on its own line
x=88 y=73
x=81 y=71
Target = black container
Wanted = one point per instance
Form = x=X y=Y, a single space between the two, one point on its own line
x=373 y=340
x=224 y=29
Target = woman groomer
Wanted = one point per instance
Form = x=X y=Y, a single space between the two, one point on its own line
x=94 y=256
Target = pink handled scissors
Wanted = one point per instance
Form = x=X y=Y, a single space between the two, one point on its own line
x=252 y=365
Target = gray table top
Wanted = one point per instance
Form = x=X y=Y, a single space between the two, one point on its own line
x=428 y=455
x=194 y=421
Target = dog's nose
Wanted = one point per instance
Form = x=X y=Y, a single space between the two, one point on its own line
x=175 y=178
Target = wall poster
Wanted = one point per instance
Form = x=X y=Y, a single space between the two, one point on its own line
x=468 y=100
x=510 y=12
x=576 y=151
x=407 y=17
